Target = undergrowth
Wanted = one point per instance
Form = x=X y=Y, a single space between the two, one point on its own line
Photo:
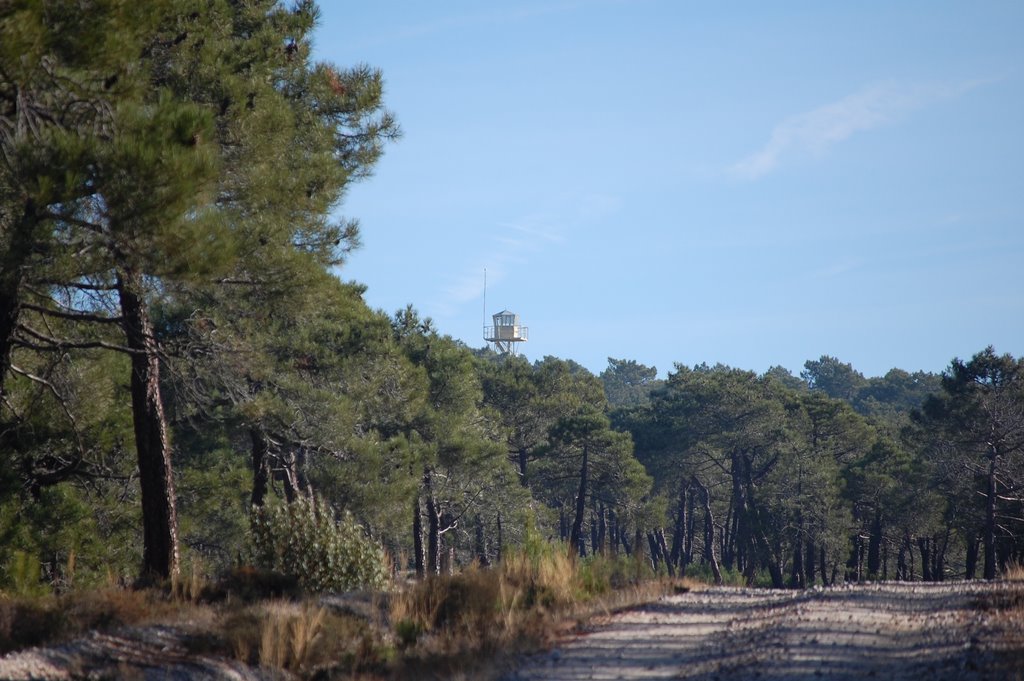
x=466 y=624
x=440 y=627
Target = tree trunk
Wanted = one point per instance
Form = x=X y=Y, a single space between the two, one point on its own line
x=809 y=563
x=288 y=473
x=500 y=539
x=679 y=530
x=939 y=557
x=731 y=553
x=522 y=466
x=160 y=556
x=796 y=576
x=926 y=566
x=600 y=547
x=971 y=571
x=824 y=568
x=709 y=532
x=875 y=546
x=613 y=532
x=659 y=534
x=989 y=538
x=481 y=543
x=581 y=500
x=433 y=536
x=691 y=522
x=420 y=558
x=624 y=538
x=15 y=250
x=654 y=550
x=260 y=466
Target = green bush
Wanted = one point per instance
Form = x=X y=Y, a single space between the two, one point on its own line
x=303 y=538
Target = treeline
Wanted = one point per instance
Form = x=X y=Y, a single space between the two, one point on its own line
x=831 y=477
x=176 y=350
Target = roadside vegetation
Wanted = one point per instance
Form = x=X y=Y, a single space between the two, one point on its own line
x=471 y=624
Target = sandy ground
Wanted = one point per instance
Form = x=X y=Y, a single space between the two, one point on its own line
x=956 y=630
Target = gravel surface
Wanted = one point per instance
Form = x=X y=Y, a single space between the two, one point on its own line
x=140 y=654
x=952 y=630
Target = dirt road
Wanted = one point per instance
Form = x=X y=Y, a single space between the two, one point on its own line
x=961 y=630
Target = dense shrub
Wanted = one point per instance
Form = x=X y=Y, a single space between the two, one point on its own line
x=303 y=538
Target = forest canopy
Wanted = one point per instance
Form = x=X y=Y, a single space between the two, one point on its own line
x=182 y=370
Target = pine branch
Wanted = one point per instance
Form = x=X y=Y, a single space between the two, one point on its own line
x=58 y=345
x=60 y=400
x=73 y=316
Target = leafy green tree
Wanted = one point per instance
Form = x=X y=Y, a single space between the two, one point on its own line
x=829 y=437
x=833 y=377
x=464 y=471
x=627 y=383
x=603 y=461
x=979 y=418
x=897 y=393
x=188 y=181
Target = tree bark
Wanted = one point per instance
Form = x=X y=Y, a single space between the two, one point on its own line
x=809 y=562
x=875 y=546
x=691 y=523
x=581 y=500
x=434 y=512
x=613 y=531
x=989 y=537
x=417 y=539
x=709 y=532
x=433 y=536
x=971 y=571
x=679 y=530
x=659 y=534
x=15 y=249
x=156 y=478
x=926 y=565
x=797 y=576
x=824 y=569
x=260 y=466
x=501 y=539
x=481 y=544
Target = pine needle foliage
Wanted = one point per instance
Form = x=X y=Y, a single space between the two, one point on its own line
x=304 y=538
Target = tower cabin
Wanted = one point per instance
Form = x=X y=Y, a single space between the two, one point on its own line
x=506 y=332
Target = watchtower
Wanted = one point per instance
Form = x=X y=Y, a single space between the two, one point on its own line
x=506 y=332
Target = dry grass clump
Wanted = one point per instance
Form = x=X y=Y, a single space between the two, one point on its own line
x=523 y=600
x=1013 y=572
x=303 y=638
x=27 y=621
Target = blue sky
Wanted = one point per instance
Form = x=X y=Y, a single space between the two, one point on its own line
x=749 y=183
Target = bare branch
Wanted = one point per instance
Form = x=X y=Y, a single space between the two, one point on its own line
x=58 y=345
x=74 y=316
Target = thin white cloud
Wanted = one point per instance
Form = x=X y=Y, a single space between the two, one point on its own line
x=815 y=131
x=510 y=252
x=534 y=226
x=515 y=242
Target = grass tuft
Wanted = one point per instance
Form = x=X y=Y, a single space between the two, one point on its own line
x=1013 y=572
